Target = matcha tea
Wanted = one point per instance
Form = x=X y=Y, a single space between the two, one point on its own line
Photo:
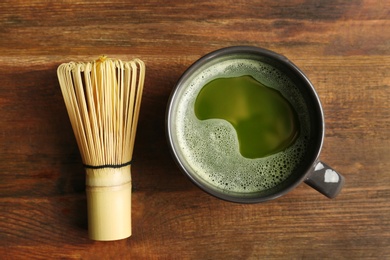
x=264 y=120
x=240 y=126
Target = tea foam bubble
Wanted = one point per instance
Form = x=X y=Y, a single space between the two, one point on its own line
x=210 y=147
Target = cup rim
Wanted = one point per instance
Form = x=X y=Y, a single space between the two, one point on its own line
x=258 y=51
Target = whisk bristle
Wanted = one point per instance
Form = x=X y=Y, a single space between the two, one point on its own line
x=101 y=58
x=103 y=100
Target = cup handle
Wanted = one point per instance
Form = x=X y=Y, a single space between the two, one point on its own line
x=325 y=180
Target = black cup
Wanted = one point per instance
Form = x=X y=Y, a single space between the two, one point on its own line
x=309 y=170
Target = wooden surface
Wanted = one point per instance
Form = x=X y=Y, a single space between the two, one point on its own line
x=342 y=46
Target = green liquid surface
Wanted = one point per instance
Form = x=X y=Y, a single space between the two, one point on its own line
x=264 y=120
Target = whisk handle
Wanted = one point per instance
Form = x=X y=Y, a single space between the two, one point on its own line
x=109 y=203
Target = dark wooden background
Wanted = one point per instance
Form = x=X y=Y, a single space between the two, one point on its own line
x=342 y=46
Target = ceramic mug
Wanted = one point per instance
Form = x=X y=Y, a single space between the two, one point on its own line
x=207 y=151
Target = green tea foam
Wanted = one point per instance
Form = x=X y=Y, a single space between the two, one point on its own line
x=210 y=147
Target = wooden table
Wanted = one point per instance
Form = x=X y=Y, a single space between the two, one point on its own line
x=342 y=46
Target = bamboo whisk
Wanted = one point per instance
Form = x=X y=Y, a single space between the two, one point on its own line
x=103 y=100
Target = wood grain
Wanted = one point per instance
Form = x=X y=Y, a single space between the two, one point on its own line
x=342 y=46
